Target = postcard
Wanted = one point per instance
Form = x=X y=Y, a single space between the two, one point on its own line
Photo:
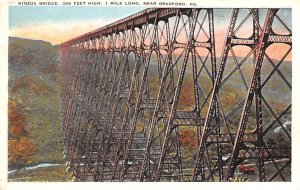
x=148 y=91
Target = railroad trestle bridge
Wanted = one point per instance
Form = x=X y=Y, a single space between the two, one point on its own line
x=146 y=98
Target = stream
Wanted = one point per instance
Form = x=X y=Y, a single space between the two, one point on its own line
x=41 y=165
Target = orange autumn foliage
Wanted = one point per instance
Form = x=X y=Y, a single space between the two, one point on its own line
x=11 y=106
x=19 y=151
x=187 y=96
x=17 y=129
x=188 y=138
x=16 y=118
x=19 y=147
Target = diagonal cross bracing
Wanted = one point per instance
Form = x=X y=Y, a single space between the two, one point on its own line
x=147 y=99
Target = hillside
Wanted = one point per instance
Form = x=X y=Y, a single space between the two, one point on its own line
x=34 y=110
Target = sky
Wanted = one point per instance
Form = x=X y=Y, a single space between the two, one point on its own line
x=20 y=15
x=57 y=24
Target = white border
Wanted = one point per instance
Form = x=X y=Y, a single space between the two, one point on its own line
x=294 y=185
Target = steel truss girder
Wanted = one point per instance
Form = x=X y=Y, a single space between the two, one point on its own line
x=117 y=127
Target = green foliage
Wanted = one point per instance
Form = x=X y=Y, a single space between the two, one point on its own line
x=33 y=86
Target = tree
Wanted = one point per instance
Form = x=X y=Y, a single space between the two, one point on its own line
x=16 y=118
x=187 y=96
x=19 y=151
x=188 y=138
x=19 y=147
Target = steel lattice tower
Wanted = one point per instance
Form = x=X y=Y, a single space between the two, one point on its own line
x=124 y=105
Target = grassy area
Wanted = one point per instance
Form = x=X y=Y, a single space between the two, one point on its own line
x=50 y=174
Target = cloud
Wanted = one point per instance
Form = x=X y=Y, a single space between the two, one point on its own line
x=57 y=32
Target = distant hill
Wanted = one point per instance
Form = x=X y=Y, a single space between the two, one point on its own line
x=275 y=88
